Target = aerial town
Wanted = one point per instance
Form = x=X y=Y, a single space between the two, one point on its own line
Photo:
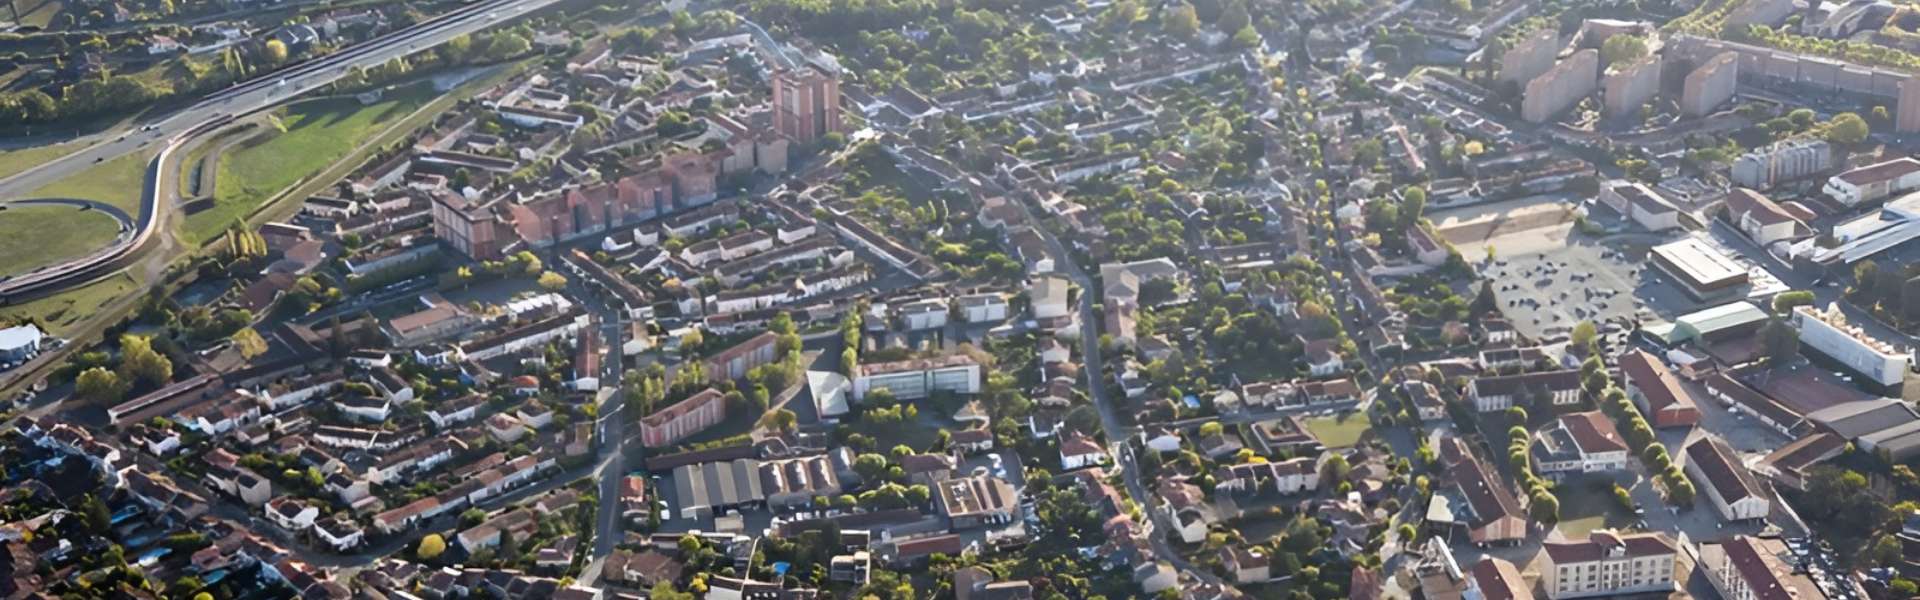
x=971 y=300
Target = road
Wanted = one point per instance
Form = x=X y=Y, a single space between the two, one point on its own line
x=175 y=130
x=1116 y=431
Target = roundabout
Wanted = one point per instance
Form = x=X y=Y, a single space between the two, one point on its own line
x=41 y=233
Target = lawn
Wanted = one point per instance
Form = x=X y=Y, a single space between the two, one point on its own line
x=118 y=182
x=36 y=236
x=60 y=312
x=317 y=134
x=1587 y=504
x=1342 y=431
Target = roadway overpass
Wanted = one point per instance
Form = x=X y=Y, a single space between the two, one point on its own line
x=178 y=129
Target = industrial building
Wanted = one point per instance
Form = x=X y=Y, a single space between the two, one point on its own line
x=1885 y=426
x=1705 y=326
x=1724 y=481
x=1873 y=182
x=1561 y=86
x=1652 y=386
x=1861 y=237
x=1700 y=270
x=1828 y=332
x=1710 y=85
x=1640 y=204
x=1763 y=168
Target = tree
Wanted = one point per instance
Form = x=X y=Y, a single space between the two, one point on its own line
x=1680 y=491
x=1583 y=335
x=1847 y=128
x=1334 y=469
x=1234 y=18
x=871 y=467
x=431 y=547
x=664 y=591
x=275 y=52
x=1622 y=49
x=779 y=420
x=1785 y=302
x=249 y=343
x=140 y=363
x=100 y=386
x=1780 y=340
x=98 y=520
x=1182 y=21
x=1246 y=37
x=1545 y=507
x=553 y=282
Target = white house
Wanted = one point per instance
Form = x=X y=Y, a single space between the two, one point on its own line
x=1160 y=439
x=1079 y=451
x=1048 y=294
x=1323 y=358
x=1583 y=442
x=983 y=308
x=291 y=514
x=926 y=314
x=338 y=534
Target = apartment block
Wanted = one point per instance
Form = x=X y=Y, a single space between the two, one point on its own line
x=682 y=419
x=1530 y=57
x=1560 y=87
x=919 y=378
x=1710 y=85
x=1764 y=168
x=1607 y=563
x=1626 y=88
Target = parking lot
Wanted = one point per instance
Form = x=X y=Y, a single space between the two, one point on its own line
x=1548 y=277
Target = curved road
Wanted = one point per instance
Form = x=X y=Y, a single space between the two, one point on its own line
x=174 y=130
x=110 y=211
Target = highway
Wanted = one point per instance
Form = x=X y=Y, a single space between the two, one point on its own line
x=178 y=129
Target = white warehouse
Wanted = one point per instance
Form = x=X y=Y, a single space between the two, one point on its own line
x=1828 y=332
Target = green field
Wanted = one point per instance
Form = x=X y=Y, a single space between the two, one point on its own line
x=1341 y=431
x=118 y=182
x=1588 y=504
x=39 y=13
x=318 y=133
x=37 y=236
x=61 y=312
